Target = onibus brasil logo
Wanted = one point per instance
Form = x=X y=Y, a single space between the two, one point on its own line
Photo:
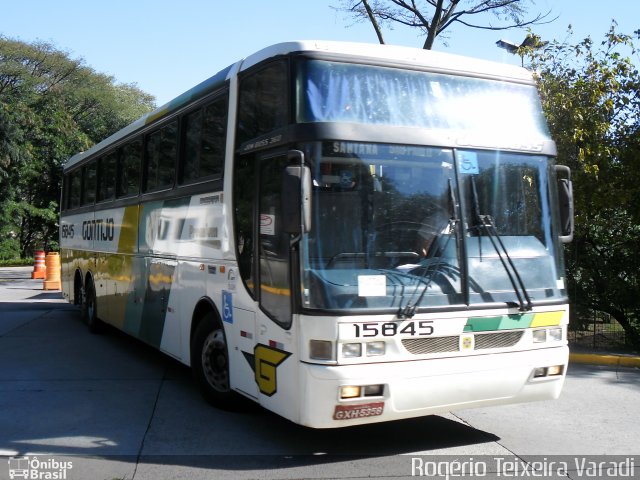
x=36 y=469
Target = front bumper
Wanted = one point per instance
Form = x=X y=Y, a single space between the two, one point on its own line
x=425 y=387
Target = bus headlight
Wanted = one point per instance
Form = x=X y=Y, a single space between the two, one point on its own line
x=352 y=350
x=376 y=348
x=555 y=334
x=539 y=336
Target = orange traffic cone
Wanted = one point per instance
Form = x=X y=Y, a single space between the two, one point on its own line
x=39 y=267
x=52 y=281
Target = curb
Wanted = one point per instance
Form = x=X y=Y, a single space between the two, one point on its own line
x=611 y=360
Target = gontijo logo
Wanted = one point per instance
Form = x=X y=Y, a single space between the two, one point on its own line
x=99 y=229
x=267 y=360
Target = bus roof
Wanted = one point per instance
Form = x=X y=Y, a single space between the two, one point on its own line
x=365 y=52
x=408 y=56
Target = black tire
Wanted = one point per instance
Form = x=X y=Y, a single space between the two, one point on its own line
x=90 y=308
x=210 y=363
x=77 y=290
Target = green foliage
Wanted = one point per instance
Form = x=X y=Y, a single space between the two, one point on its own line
x=17 y=262
x=51 y=107
x=591 y=97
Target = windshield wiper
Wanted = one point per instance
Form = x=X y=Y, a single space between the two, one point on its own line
x=409 y=310
x=484 y=223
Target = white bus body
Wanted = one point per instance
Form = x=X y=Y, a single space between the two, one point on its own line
x=415 y=266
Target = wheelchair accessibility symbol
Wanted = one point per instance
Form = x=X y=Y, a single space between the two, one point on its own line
x=227 y=306
x=468 y=163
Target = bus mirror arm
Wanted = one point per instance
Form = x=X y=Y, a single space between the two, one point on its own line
x=565 y=197
x=296 y=195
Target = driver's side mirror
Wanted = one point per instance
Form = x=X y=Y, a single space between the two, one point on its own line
x=296 y=195
x=565 y=197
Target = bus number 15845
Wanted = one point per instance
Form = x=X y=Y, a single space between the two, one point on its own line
x=420 y=328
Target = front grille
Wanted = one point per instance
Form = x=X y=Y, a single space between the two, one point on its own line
x=498 y=339
x=424 y=346
x=483 y=341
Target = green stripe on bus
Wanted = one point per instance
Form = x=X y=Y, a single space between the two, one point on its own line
x=500 y=322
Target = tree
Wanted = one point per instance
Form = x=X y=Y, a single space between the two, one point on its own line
x=433 y=17
x=591 y=98
x=51 y=107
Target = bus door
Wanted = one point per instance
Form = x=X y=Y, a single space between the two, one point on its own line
x=276 y=373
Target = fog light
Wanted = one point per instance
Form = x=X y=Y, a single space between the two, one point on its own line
x=540 y=372
x=349 y=392
x=555 y=370
x=555 y=334
x=373 y=390
x=376 y=348
x=352 y=350
x=539 y=336
x=321 y=350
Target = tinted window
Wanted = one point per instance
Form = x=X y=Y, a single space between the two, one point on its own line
x=263 y=102
x=130 y=160
x=213 y=138
x=107 y=176
x=342 y=92
x=161 y=156
x=89 y=183
x=274 y=244
x=75 y=188
x=192 y=141
x=204 y=140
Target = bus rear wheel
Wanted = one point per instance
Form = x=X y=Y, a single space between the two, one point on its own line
x=210 y=363
x=89 y=308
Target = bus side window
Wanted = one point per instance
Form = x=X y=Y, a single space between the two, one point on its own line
x=64 y=199
x=192 y=137
x=75 y=189
x=263 y=104
x=204 y=135
x=107 y=176
x=89 y=183
x=162 y=147
x=129 y=162
x=214 y=135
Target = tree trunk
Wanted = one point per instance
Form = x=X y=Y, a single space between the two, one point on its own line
x=374 y=22
x=632 y=333
x=432 y=28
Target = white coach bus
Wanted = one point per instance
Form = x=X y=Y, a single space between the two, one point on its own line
x=343 y=233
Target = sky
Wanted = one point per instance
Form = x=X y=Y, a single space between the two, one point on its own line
x=168 y=46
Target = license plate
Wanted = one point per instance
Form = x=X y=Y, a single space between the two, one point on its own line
x=349 y=412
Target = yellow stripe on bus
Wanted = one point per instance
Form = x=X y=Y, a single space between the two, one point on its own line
x=547 y=319
x=128 y=240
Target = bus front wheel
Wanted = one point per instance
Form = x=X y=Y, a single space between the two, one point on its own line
x=210 y=363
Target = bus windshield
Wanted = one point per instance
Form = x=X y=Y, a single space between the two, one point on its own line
x=470 y=107
x=397 y=227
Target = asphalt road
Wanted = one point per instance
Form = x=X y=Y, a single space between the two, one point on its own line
x=115 y=408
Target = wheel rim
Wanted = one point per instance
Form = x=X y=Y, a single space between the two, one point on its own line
x=214 y=361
